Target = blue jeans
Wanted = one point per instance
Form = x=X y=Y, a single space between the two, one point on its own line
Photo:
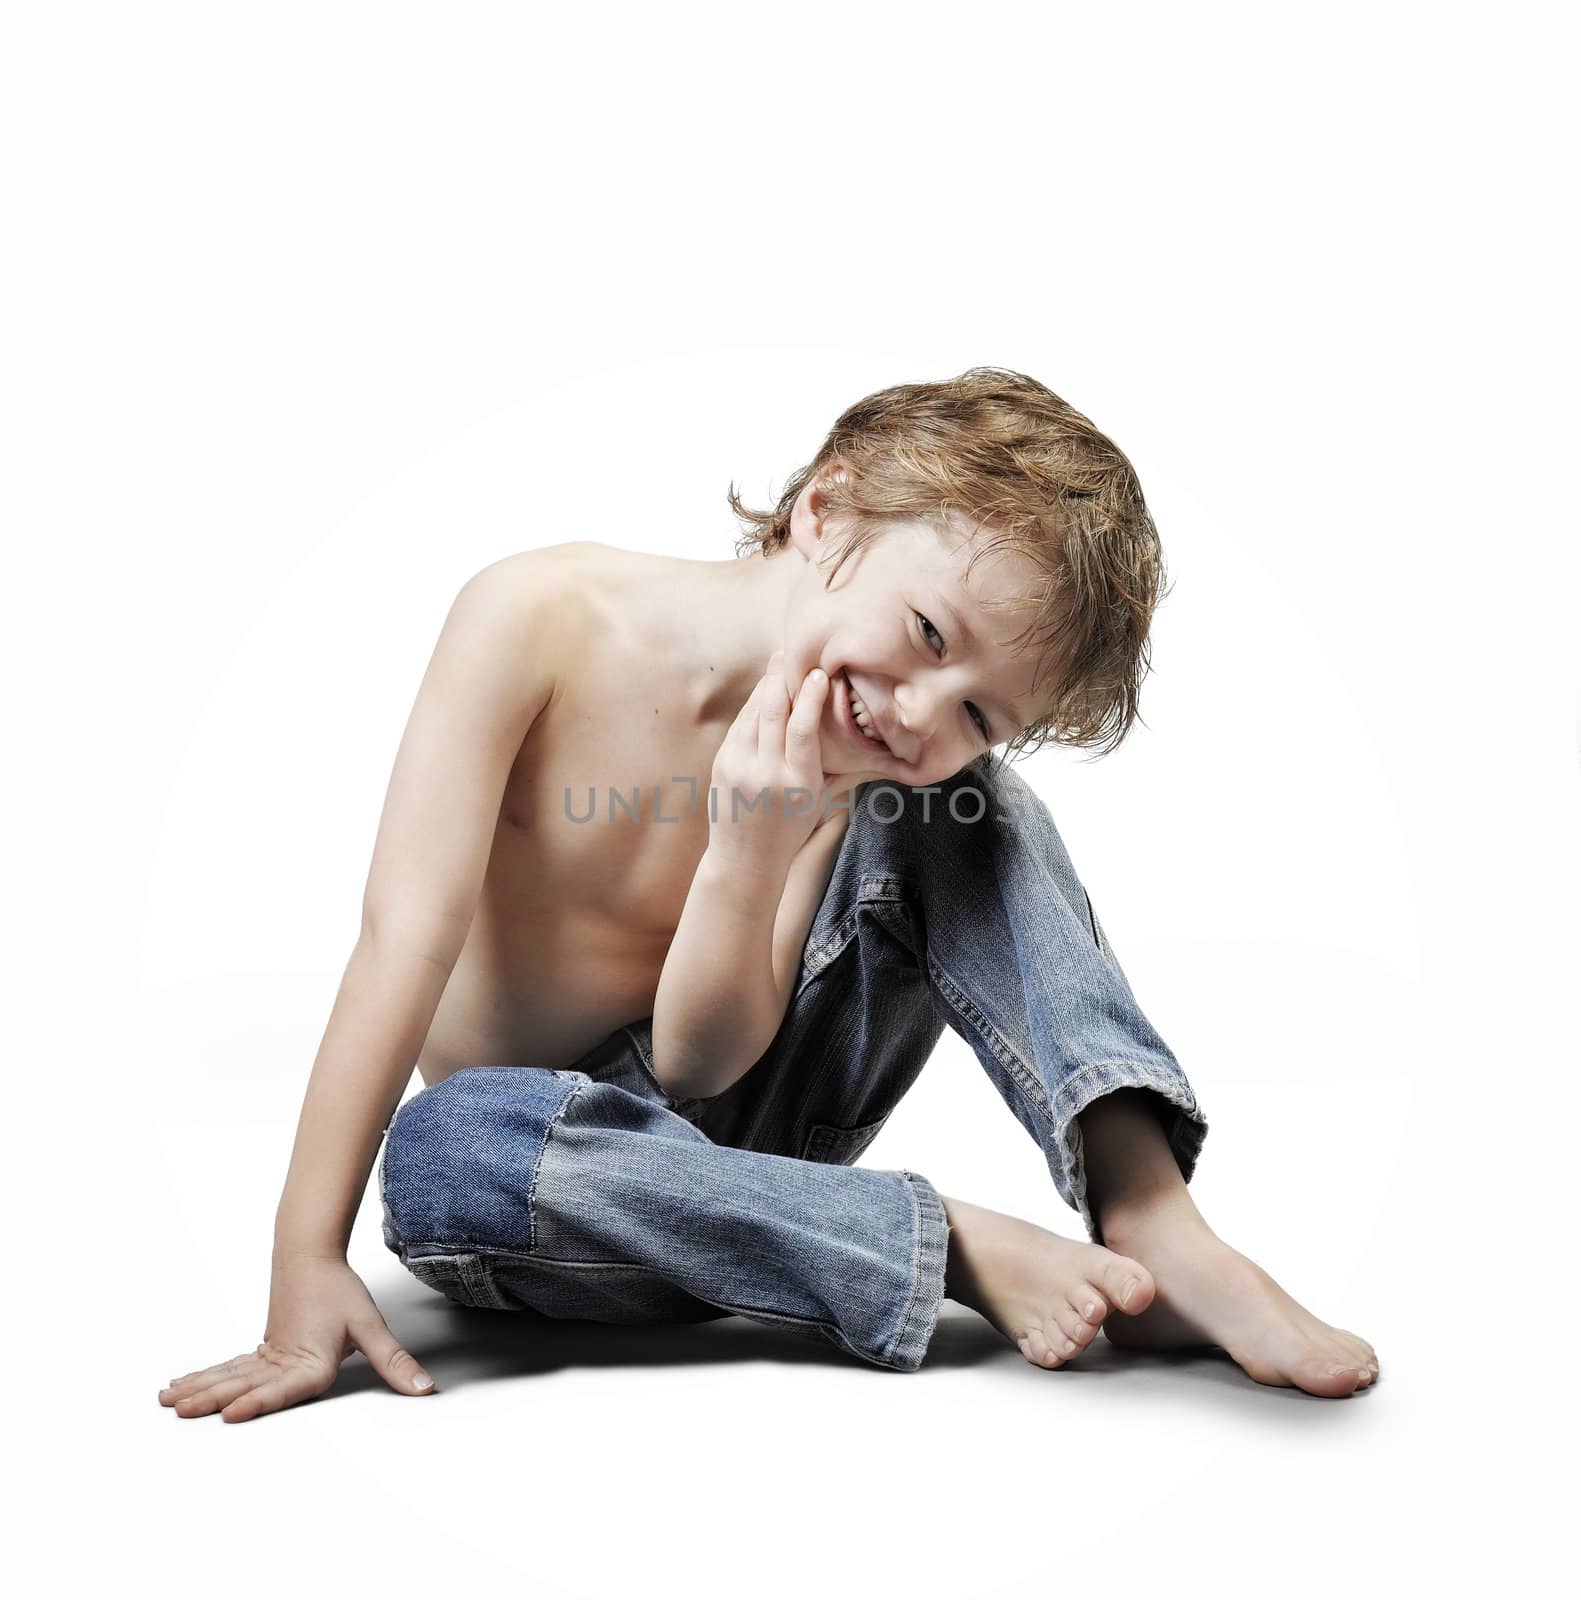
x=590 y=1192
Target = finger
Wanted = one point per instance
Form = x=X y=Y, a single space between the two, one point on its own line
x=801 y=733
x=272 y=1396
x=773 y=712
x=396 y=1365
x=202 y=1402
x=245 y=1369
x=199 y=1380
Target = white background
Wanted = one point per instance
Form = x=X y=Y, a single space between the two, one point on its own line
x=311 y=311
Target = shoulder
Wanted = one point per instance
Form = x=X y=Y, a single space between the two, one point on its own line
x=512 y=630
x=549 y=568
x=542 y=590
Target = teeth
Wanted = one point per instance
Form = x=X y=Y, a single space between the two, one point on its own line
x=860 y=715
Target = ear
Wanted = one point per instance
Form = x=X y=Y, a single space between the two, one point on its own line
x=807 y=525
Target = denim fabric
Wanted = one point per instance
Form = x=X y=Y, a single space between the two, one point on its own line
x=590 y=1192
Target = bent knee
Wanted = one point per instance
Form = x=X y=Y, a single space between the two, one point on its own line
x=461 y=1156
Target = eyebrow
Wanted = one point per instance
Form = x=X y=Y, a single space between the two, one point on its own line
x=976 y=645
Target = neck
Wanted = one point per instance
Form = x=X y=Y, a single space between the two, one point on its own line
x=728 y=618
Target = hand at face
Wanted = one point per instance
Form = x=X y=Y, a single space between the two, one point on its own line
x=769 y=791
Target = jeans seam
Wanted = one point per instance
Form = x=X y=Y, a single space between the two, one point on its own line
x=817 y=958
x=389 y=1212
x=921 y=1316
x=876 y=889
x=1001 y=1049
x=903 y=1326
x=1064 y=1130
x=916 y=1271
x=480 y=1280
x=543 y=1144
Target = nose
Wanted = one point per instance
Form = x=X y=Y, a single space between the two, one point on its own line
x=919 y=707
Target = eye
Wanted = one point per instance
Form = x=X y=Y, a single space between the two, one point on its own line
x=977 y=717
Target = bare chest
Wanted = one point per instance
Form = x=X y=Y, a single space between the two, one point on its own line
x=604 y=822
x=601 y=826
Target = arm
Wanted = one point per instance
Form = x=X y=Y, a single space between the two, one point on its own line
x=490 y=676
x=731 y=967
x=713 y=1018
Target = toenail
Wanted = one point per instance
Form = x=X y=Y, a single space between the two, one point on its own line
x=1092 y=1308
x=1128 y=1293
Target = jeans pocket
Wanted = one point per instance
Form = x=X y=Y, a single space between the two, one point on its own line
x=464 y=1278
x=839 y=1146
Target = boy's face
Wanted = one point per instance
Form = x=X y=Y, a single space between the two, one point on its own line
x=931 y=665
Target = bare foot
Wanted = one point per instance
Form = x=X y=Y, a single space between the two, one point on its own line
x=1209 y=1294
x=1047 y=1294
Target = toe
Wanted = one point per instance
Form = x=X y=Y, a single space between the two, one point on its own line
x=1357 y=1344
x=1089 y=1305
x=1075 y=1327
x=1036 y=1348
x=1126 y=1284
x=1358 y=1350
x=1328 y=1377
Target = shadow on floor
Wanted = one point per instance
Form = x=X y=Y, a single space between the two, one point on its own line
x=462 y=1346
x=476 y=1346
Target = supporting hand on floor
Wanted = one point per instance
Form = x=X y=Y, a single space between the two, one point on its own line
x=319 y=1312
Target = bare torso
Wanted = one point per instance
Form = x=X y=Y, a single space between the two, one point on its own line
x=575 y=918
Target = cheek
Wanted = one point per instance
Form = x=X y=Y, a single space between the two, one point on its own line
x=950 y=764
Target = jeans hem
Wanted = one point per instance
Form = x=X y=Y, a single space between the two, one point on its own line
x=931 y=1234
x=1185 y=1128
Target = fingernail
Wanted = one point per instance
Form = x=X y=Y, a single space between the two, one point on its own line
x=422 y=1381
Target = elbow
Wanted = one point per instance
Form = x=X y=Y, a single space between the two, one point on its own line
x=687 y=1072
x=434 y=936
x=700 y=1062
x=687 y=1082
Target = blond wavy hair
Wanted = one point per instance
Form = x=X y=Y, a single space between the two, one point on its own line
x=998 y=457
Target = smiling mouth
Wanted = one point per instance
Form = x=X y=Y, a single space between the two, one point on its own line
x=851 y=701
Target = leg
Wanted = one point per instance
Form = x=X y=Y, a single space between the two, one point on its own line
x=1208 y=1293
x=510 y=1187
x=1014 y=950
x=867 y=1012
x=995 y=926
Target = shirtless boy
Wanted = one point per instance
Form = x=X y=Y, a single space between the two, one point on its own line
x=965 y=567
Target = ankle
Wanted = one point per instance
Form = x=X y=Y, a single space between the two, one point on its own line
x=960 y=1283
x=1126 y=1222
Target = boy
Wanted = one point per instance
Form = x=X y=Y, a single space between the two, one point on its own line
x=604 y=807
